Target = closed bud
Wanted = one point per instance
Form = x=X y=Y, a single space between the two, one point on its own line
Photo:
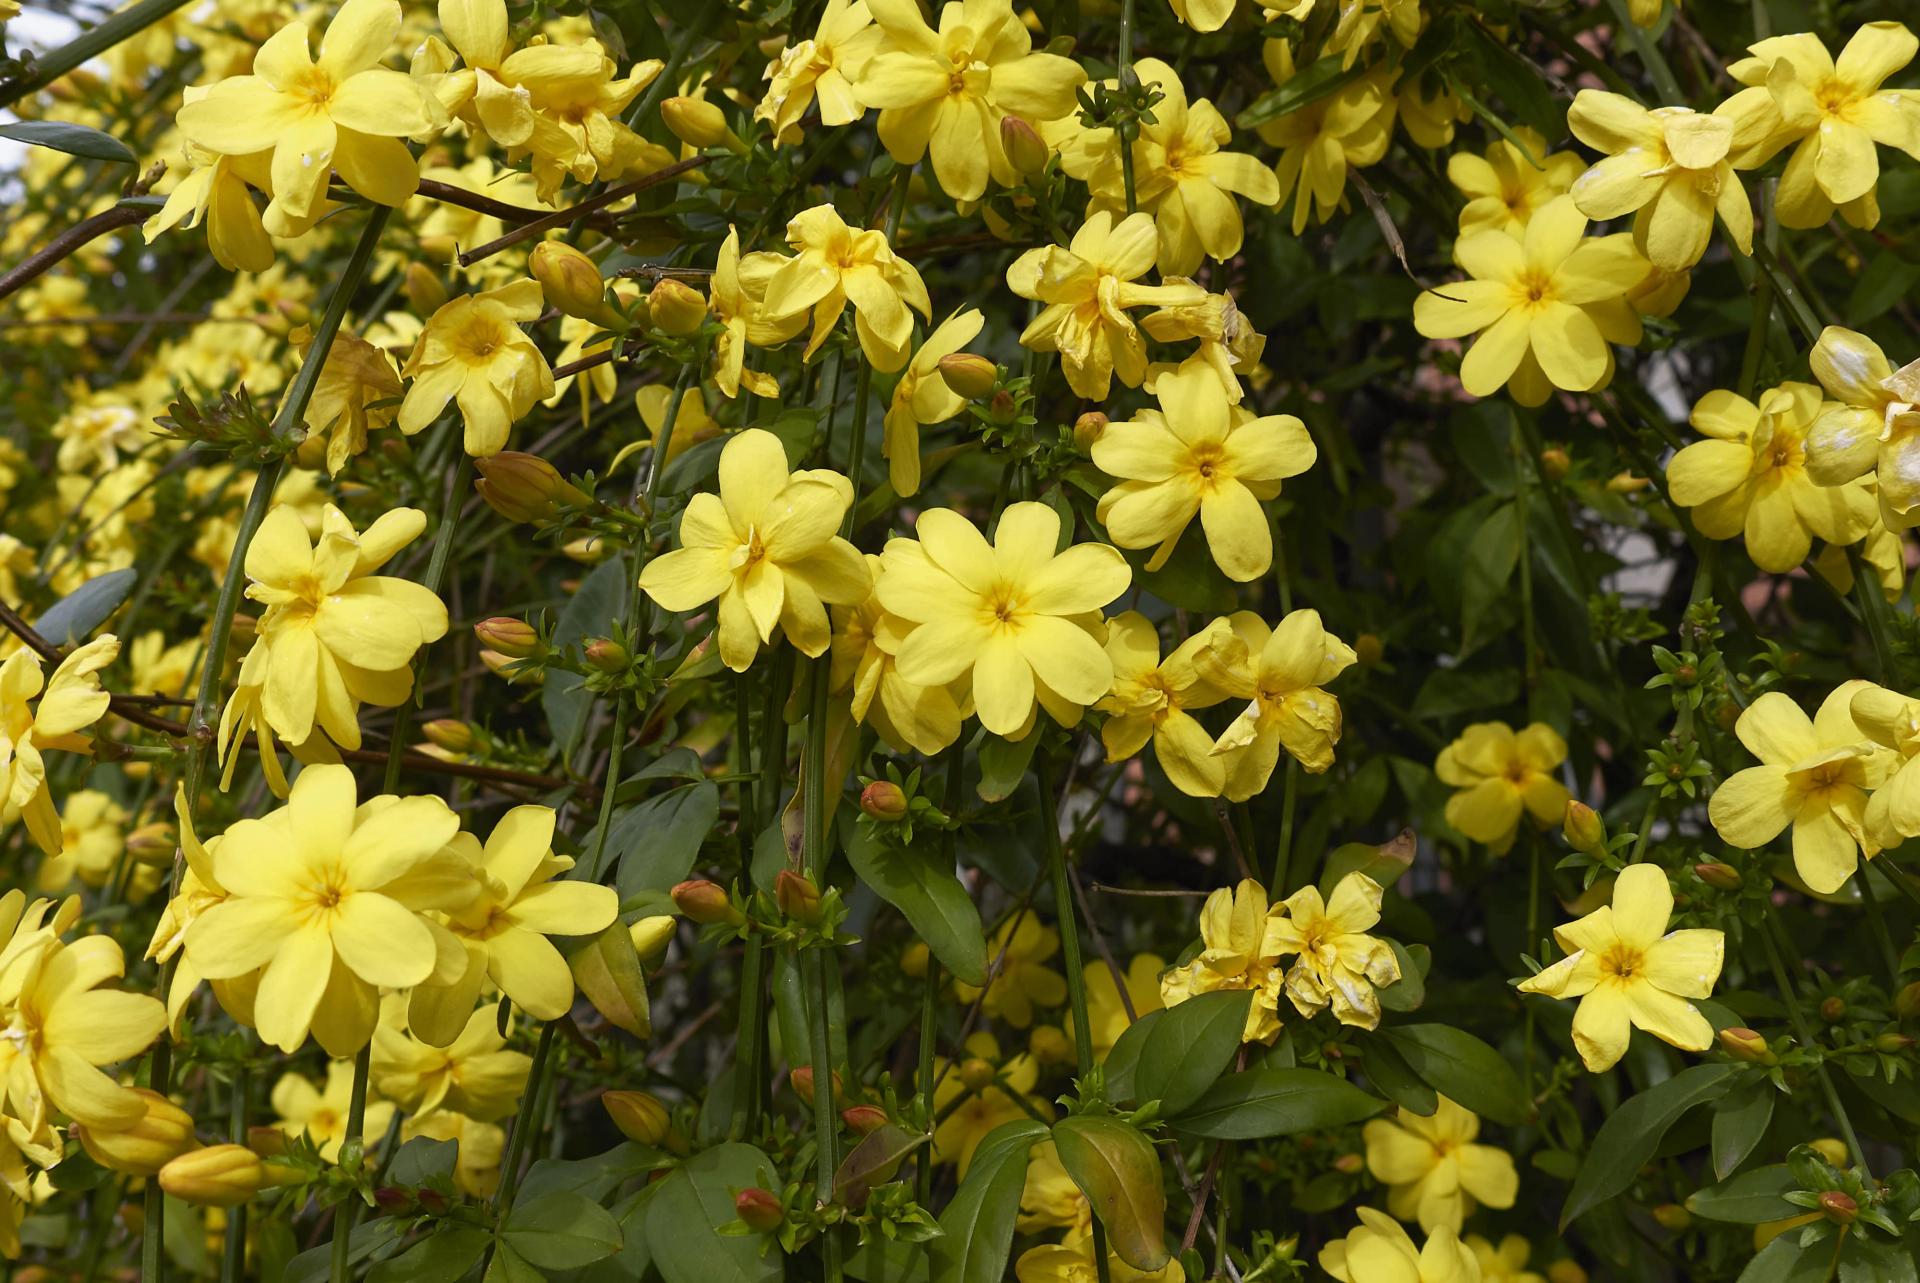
x=1906 y=1003
x=1368 y=650
x=1564 y=1271
x=1583 y=830
x=503 y=666
x=801 y=1080
x=1349 y=1164
x=571 y=281
x=1830 y=1149
x=1672 y=1216
x=1626 y=483
x=514 y=638
x=864 y=1119
x=704 y=902
x=1839 y=1206
x=1833 y=1009
x=914 y=958
x=217 y=1176
x=425 y=292
x=163 y=1133
x=1745 y=1044
x=1001 y=408
x=524 y=487
x=884 y=800
x=588 y=550
x=1088 y=429
x=695 y=121
x=968 y=375
x=639 y=1115
x=759 y=1209
x=650 y=936
x=1026 y=150
x=1723 y=876
x=675 y=308
x=797 y=896
x=152 y=844
x=1554 y=463
x=1050 y=1045
x=607 y=656
x=390 y=1201
x=976 y=1073
x=449 y=733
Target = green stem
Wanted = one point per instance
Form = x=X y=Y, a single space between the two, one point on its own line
x=1873 y=605
x=436 y=575
x=610 y=786
x=1523 y=499
x=1878 y=922
x=124 y=25
x=1804 y=1033
x=233 y=1255
x=1283 y=856
x=1761 y=323
x=524 y=1123
x=826 y=1123
x=1650 y=55
x=664 y=441
x=349 y=1210
x=930 y=991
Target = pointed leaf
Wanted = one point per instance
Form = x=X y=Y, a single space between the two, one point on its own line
x=1115 y=1167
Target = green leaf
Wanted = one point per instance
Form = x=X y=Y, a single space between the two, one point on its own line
x=1258 y=1103
x=1114 y=1165
x=1749 y=1198
x=657 y=842
x=979 y=1221
x=929 y=893
x=1491 y=557
x=423 y=1161
x=508 y=1266
x=685 y=1216
x=1632 y=1132
x=1391 y=1075
x=1003 y=764
x=1124 y=1059
x=445 y=1257
x=73 y=618
x=873 y=1162
x=608 y=972
x=561 y=1231
x=1188 y=1050
x=595 y=607
x=1458 y=1065
x=1410 y=990
x=1785 y=1261
x=1739 y=1123
x=1309 y=85
x=75 y=140
x=1383 y=863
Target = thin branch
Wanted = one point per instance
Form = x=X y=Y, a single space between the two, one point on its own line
x=70 y=242
x=584 y=210
x=448 y=194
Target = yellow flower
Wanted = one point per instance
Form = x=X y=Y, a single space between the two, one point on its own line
x=736 y=299
x=1203 y=15
x=1022 y=981
x=1430 y=121
x=1832 y=112
x=357 y=375
x=344 y=112
x=832 y=265
x=1152 y=699
x=473 y=351
x=216 y=191
x=160 y=669
x=58 y=1027
x=1050 y=1200
x=71 y=702
x=1282 y=674
x=974 y=1097
x=903 y=713
x=692 y=425
x=1630 y=972
x=826 y=68
x=1752 y=475
x=1670 y=167
x=1504 y=188
x=1233 y=933
x=1545 y=305
x=475 y=1075
x=94 y=432
x=91 y=828
x=199 y=890
x=1021 y=619
x=1072 y=1261
x=1228 y=341
x=946 y=91
x=1087 y=289
x=519 y=900
x=1336 y=963
x=1871 y=425
x=1199 y=454
x=1507 y=1263
x=330 y=904
x=768 y=546
x=1106 y=1014
x=321 y=1115
x=1349 y=127
x=1435 y=1173
x=922 y=398
x=1500 y=776
x=1891 y=720
x=1380 y=1251
x=1814 y=775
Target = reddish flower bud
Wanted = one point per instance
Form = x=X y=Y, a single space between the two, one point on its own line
x=797 y=896
x=514 y=638
x=883 y=800
x=1555 y=463
x=1718 y=874
x=704 y=902
x=676 y=308
x=760 y=1209
x=1906 y=1003
x=1744 y=1044
x=607 y=655
x=524 y=487
x=864 y=1119
x=1839 y=1207
x=1833 y=1009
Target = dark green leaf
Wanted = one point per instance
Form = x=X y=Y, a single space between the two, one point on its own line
x=685 y=1215
x=1739 y=1123
x=1114 y=1165
x=1188 y=1050
x=1391 y=1075
x=422 y=1161
x=1491 y=557
x=445 y=1257
x=1632 y=1132
x=1749 y=1198
x=1785 y=1261
x=873 y=1162
x=657 y=842
x=1003 y=764
x=608 y=972
x=73 y=618
x=1258 y=1103
x=929 y=893
x=1309 y=85
x=979 y=1220
x=561 y=1230
x=1383 y=863
x=75 y=140
x=1458 y=1065
x=1124 y=1059
x=593 y=610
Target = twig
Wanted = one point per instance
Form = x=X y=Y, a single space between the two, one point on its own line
x=585 y=209
x=71 y=242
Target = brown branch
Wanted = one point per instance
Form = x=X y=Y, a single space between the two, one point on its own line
x=70 y=242
x=584 y=363
x=448 y=194
x=576 y=213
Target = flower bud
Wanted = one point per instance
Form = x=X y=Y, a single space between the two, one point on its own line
x=514 y=638
x=1565 y=1271
x=1349 y=1164
x=760 y=1209
x=884 y=800
x=1026 y=150
x=571 y=280
x=801 y=1080
x=1554 y=463
x=217 y=1176
x=914 y=958
x=968 y=375
x=1892 y=1044
x=1001 y=408
x=864 y=1119
x=391 y=1201
x=589 y=550
x=425 y=292
x=1833 y=1009
x=1583 y=830
x=1839 y=1206
x=1050 y=1045
x=524 y=487
x=1906 y=1003
x=607 y=656
x=1368 y=650
x=1744 y=1044
x=976 y=1073
x=503 y=666
x=695 y=121
x=1088 y=429
x=650 y=936
x=639 y=1115
x=152 y=844
x=704 y=902
x=449 y=733
x=1625 y=483
x=797 y=896
x=1834 y=1151
x=163 y=1133
x=675 y=308
x=1672 y=1216
x=1717 y=874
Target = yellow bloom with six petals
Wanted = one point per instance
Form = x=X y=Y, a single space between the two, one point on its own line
x=1336 y=963
x=1282 y=673
x=1434 y=1171
x=1152 y=700
x=1502 y=775
x=473 y=352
